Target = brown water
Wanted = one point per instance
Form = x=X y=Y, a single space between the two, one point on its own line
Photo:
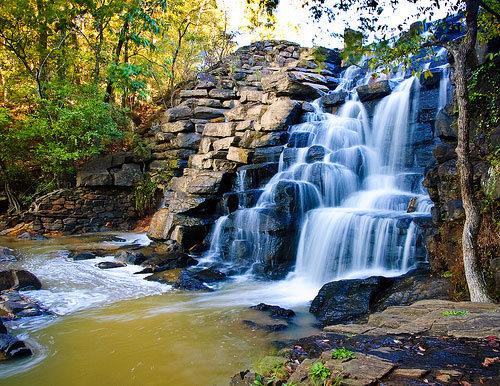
x=161 y=337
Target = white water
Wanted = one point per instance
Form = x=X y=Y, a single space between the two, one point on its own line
x=351 y=195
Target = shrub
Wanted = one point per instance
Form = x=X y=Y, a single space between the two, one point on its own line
x=319 y=372
x=342 y=353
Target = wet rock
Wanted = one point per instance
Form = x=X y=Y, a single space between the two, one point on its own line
x=167 y=261
x=77 y=256
x=188 y=282
x=334 y=99
x=345 y=300
x=6 y=255
x=267 y=154
x=166 y=277
x=11 y=347
x=315 y=153
x=131 y=257
x=265 y=327
x=18 y=280
x=295 y=84
x=274 y=311
x=243 y=378
x=375 y=90
x=299 y=139
x=210 y=275
x=30 y=236
x=110 y=265
x=14 y=305
x=257 y=175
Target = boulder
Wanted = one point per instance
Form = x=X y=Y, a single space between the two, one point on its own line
x=11 y=347
x=333 y=99
x=13 y=305
x=257 y=175
x=375 y=90
x=110 y=265
x=264 y=326
x=204 y=112
x=196 y=181
x=160 y=225
x=6 y=255
x=76 y=256
x=315 y=153
x=130 y=257
x=295 y=84
x=346 y=301
x=267 y=154
x=13 y=279
x=276 y=312
x=188 y=282
x=210 y=275
x=222 y=93
x=280 y=115
x=165 y=277
x=299 y=139
x=163 y=262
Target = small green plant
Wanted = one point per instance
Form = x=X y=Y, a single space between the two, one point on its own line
x=319 y=372
x=338 y=380
x=342 y=353
x=259 y=380
x=447 y=274
x=272 y=367
x=144 y=193
x=455 y=313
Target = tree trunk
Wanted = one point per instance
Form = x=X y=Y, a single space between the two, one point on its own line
x=121 y=40
x=472 y=224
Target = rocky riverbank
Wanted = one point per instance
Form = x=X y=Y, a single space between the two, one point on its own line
x=429 y=342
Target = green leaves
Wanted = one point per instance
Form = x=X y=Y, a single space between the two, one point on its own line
x=319 y=372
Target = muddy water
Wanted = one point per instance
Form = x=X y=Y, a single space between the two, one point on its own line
x=114 y=328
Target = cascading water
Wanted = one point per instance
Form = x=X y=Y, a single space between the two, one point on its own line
x=345 y=191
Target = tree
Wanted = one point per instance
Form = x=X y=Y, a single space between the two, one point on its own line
x=462 y=51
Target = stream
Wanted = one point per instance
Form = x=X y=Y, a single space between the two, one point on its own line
x=113 y=327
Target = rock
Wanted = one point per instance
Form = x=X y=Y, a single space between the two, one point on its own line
x=130 y=257
x=13 y=305
x=197 y=93
x=274 y=311
x=295 y=84
x=203 y=112
x=84 y=178
x=222 y=93
x=239 y=155
x=414 y=286
x=160 y=225
x=188 y=282
x=6 y=255
x=315 y=153
x=375 y=90
x=223 y=143
x=196 y=181
x=265 y=327
x=11 y=347
x=210 y=275
x=177 y=113
x=127 y=175
x=243 y=378
x=176 y=127
x=280 y=115
x=166 y=277
x=167 y=261
x=267 y=154
x=299 y=139
x=18 y=280
x=110 y=265
x=76 y=256
x=221 y=129
x=443 y=125
x=345 y=300
x=333 y=99
x=257 y=174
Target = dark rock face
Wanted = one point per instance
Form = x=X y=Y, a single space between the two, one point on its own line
x=110 y=265
x=210 y=275
x=18 y=280
x=274 y=311
x=334 y=98
x=347 y=301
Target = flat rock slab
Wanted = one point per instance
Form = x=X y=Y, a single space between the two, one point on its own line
x=430 y=317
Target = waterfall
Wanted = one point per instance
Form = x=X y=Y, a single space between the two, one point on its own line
x=341 y=197
x=444 y=85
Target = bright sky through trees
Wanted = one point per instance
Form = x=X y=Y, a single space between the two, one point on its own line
x=295 y=23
